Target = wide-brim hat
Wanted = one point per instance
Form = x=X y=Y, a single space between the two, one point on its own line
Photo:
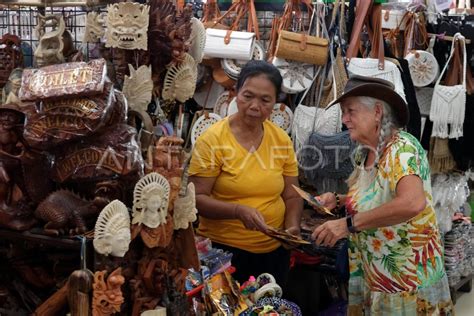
x=359 y=86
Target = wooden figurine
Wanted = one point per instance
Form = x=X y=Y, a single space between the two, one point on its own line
x=80 y=286
x=64 y=211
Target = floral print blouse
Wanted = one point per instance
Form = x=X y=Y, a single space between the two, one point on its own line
x=399 y=259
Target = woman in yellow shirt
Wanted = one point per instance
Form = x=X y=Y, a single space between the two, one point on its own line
x=243 y=168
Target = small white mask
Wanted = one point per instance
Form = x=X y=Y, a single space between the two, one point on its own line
x=112 y=230
x=184 y=211
x=150 y=200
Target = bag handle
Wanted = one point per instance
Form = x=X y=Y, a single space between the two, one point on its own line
x=461 y=39
x=363 y=8
x=414 y=29
x=240 y=7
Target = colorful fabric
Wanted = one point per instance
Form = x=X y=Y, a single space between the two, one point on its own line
x=248 y=178
x=396 y=270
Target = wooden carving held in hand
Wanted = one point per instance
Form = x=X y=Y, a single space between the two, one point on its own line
x=107 y=297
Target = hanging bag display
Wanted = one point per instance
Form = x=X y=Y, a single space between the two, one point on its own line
x=448 y=104
x=375 y=66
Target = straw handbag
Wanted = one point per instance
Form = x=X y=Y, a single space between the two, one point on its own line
x=301 y=46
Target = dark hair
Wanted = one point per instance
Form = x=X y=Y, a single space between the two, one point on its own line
x=260 y=67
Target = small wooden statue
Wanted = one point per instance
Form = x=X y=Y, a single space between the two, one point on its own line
x=107 y=297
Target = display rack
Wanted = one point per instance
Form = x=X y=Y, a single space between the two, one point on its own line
x=465 y=285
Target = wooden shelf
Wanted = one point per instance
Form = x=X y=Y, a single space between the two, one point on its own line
x=60 y=242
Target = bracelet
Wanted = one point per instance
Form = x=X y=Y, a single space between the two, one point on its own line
x=338 y=201
x=350 y=224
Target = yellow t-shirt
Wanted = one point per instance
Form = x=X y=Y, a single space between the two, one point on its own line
x=252 y=179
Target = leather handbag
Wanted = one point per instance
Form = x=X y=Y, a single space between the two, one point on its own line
x=232 y=43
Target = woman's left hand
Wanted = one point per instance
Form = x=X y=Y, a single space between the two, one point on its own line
x=330 y=232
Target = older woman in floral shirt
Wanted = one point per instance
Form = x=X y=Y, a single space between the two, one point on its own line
x=395 y=252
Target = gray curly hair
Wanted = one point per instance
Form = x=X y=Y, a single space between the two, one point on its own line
x=387 y=128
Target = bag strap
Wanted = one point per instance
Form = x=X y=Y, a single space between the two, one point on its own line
x=210 y=11
x=272 y=41
x=376 y=35
x=252 y=20
x=454 y=72
x=415 y=30
x=293 y=8
x=241 y=8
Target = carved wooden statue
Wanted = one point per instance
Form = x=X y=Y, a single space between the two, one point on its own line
x=12 y=214
x=94 y=27
x=107 y=296
x=138 y=87
x=150 y=211
x=50 y=46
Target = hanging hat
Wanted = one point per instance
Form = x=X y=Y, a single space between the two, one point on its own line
x=359 y=86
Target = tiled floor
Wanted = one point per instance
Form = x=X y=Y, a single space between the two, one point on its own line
x=465 y=304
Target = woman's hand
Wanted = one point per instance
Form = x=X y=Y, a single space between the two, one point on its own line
x=328 y=200
x=330 y=232
x=294 y=230
x=251 y=218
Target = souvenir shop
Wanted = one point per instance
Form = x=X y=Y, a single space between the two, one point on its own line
x=102 y=103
